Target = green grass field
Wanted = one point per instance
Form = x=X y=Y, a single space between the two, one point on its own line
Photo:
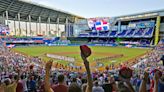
x=72 y=51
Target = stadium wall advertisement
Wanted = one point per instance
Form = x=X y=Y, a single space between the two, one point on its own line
x=80 y=44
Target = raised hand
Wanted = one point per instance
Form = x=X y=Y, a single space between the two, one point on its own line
x=49 y=64
x=144 y=82
x=156 y=76
x=47 y=76
x=86 y=52
x=86 y=63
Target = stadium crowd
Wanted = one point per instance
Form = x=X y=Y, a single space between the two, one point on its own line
x=4 y=29
x=19 y=73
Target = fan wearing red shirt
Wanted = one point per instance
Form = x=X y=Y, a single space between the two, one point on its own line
x=19 y=86
x=57 y=88
x=61 y=87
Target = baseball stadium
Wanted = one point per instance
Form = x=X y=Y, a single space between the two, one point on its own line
x=33 y=34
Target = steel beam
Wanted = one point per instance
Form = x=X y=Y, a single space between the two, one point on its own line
x=26 y=29
x=21 y=8
x=40 y=25
x=7 y=17
x=19 y=24
x=29 y=19
x=49 y=27
x=15 y=27
x=10 y=5
x=3 y=16
x=66 y=27
x=36 y=28
x=58 y=20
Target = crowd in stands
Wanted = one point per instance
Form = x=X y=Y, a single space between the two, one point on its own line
x=10 y=39
x=34 y=40
x=18 y=40
x=19 y=73
x=4 y=29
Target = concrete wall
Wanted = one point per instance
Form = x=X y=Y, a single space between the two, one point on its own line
x=54 y=30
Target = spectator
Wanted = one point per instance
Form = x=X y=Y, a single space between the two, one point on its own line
x=32 y=85
x=11 y=86
x=57 y=88
x=61 y=87
x=107 y=86
x=74 y=87
x=24 y=81
x=97 y=88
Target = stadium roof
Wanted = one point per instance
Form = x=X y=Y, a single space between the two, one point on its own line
x=25 y=9
x=142 y=15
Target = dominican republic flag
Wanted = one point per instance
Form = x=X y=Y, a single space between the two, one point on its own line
x=102 y=25
x=91 y=24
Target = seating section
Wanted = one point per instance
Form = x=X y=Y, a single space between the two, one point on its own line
x=40 y=40
x=93 y=34
x=139 y=33
x=122 y=34
x=100 y=41
x=83 y=35
x=129 y=33
x=103 y=33
x=113 y=34
x=149 y=32
x=4 y=29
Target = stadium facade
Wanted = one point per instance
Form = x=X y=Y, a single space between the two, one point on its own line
x=146 y=27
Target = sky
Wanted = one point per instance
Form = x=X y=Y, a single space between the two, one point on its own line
x=102 y=8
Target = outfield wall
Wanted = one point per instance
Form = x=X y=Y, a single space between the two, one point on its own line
x=108 y=45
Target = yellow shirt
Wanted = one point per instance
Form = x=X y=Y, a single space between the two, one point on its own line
x=11 y=88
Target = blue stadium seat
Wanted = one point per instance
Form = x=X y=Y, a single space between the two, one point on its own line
x=149 y=33
x=113 y=34
x=145 y=42
x=93 y=34
x=122 y=34
x=83 y=35
x=130 y=33
x=139 y=33
x=103 y=33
